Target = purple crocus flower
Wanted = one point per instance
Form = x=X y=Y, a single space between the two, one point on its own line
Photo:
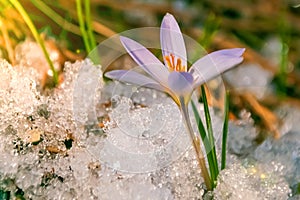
x=173 y=77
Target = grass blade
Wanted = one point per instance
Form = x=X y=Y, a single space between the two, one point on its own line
x=200 y=125
x=63 y=23
x=90 y=33
x=36 y=36
x=210 y=132
x=204 y=139
x=225 y=131
x=82 y=26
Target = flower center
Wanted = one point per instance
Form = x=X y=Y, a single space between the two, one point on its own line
x=174 y=66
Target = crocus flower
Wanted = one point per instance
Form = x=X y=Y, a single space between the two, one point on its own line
x=173 y=77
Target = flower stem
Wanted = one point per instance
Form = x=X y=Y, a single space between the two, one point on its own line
x=196 y=144
x=206 y=143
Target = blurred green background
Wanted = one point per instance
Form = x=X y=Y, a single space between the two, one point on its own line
x=268 y=29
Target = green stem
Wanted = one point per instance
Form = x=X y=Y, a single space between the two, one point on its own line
x=36 y=35
x=225 y=131
x=82 y=26
x=196 y=144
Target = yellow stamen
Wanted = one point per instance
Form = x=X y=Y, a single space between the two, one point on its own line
x=167 y=58
x=178 y=65
x=170 y=61
x=173 y=61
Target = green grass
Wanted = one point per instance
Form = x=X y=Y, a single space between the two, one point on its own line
x=208 y=138
x=36 y=36
x=225 y=131
x=85 y=25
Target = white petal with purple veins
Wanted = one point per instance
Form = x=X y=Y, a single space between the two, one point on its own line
x=171 y=39
x=145 y=59
x=134 y=78
x=214 y=64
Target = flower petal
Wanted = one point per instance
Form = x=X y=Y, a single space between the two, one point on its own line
x=145 y=59
x=214 y=64
x=171 y=40
x=134 y=78
x=181 y=83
